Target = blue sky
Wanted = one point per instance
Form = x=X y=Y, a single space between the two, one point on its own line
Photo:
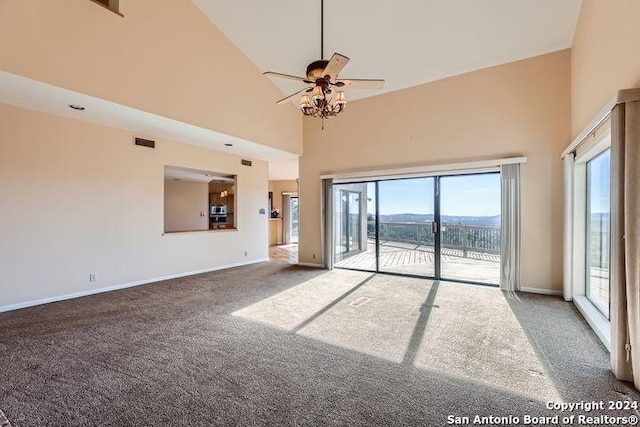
x=599 y=182
x=463 y=195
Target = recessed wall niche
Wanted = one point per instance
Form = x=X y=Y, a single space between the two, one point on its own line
x=198 y=200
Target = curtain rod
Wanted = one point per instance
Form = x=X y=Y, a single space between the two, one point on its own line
x=625 y=95
x=417 y=170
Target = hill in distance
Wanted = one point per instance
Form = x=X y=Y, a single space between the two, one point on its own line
x=493 y=220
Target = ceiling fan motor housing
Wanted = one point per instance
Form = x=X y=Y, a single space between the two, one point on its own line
x=315 y=69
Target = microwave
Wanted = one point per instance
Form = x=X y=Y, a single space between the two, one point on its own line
x=218 y=209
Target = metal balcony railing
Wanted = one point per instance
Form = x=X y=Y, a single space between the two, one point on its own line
x=466 y=238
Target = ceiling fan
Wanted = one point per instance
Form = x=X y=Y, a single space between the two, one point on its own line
x=322 y=76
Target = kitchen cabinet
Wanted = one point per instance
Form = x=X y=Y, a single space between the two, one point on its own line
x=229 y=202
x=215 y=199
x=275 y=231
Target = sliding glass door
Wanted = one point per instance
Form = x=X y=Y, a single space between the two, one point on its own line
x=354 y=242
x=406 y=239
x=438 y=226
x=470 y=227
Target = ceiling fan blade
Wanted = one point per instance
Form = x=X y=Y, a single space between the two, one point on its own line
x=335 y=65
x=360 y=83
x=306 y=89
x=286 y=76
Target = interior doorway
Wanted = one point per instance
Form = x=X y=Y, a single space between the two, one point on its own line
x=443 y=227
x=285 y=248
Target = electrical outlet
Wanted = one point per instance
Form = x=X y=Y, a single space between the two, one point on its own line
x=314 y=256
x=92 y=277
x=246 y=253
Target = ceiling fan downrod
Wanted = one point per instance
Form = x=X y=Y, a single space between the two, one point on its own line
x=321 y=29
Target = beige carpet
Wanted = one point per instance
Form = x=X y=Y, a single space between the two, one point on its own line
x=275 y=344
x=466 y=331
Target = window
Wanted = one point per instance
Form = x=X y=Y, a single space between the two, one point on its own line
x=196 y=200
x=587 y=225
x=597 y=231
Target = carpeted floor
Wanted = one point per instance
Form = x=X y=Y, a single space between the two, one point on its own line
x=276 y=344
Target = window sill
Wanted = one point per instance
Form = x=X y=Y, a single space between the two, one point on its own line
x=598 y=322
x=220 y=230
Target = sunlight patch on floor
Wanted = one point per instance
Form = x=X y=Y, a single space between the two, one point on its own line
x=377 y=319
x=289 y=309
x=462 y=331
x=473 y=334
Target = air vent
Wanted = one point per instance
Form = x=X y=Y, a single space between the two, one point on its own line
x=145 y=143
x=246 y=162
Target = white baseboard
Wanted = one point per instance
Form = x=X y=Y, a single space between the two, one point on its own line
x=309 y=264
x=541 y=291
x=122 y=286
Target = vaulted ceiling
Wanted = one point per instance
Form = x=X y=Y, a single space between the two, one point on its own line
x=407 y=42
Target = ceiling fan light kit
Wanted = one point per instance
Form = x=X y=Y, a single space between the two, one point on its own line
x=323 y=75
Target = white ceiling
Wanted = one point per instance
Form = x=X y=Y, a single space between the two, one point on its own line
x=407 y=42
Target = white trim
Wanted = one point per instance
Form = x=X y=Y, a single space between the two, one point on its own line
x=121 y=286
x=602 y=144
x=541 y=291
x=627 y=95
x=600 y=324
x=579 y=246
x=568 y=214
x=466 y=167
x=309 y=264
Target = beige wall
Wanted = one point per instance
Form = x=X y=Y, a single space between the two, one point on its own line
x=80 y=199
x=186 y=205
x=517 y=109
x=604 y=56
x=163 y=57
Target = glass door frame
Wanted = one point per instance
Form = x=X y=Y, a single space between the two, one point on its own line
x=342 y=200
x=347 y=219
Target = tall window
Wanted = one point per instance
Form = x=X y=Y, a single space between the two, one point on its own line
x=597 y=243
x=587 y=229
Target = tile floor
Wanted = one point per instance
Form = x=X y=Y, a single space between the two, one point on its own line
x=284 y=253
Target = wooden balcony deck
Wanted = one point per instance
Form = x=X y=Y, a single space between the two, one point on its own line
x=408 y=258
